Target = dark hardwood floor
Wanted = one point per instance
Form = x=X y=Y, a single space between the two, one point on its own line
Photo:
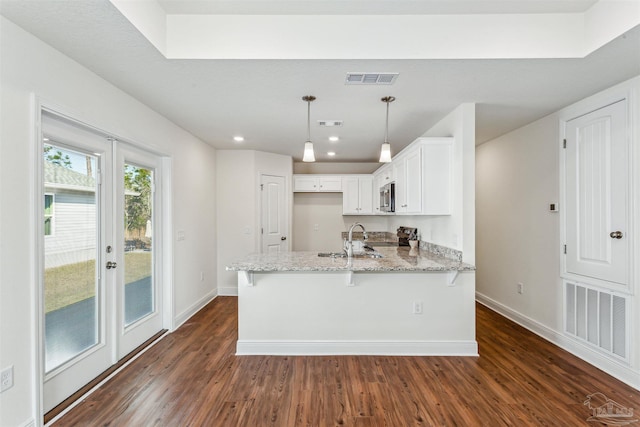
x=193 y=378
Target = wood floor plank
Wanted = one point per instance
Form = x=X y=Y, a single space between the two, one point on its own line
x=193 y=378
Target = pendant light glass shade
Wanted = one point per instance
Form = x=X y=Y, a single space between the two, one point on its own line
x=385 y=150
x=308 y=155
x=385 y=153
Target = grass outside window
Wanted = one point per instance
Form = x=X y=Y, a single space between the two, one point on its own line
x=68 y=284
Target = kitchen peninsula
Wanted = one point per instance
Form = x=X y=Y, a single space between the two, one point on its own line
x=407 y=302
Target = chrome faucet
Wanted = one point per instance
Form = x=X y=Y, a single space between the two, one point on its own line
x=349 y=247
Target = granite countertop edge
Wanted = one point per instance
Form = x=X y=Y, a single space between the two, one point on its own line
x=393 y=259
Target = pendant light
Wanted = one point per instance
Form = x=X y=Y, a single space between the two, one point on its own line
x=385 y=150
x=308 y=146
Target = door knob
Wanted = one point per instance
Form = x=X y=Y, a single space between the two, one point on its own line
x=616 y=234
x=283 y=238
x=111 y=265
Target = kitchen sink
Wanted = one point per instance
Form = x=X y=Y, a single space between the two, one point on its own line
x=344 y=255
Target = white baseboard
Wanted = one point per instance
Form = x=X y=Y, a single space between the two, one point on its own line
x=196 y=307
x=29 y=423
x=612 y=367
x=228 y=291
x=369 y=348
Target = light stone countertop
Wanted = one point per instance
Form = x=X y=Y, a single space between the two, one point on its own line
x=394 y=259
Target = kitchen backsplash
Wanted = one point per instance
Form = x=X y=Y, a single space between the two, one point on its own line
x=385 y=236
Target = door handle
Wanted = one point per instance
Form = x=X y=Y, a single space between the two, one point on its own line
x=616 y=234
x=283 y=238
x=111 y=265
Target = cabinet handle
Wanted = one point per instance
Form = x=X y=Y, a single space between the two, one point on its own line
x=616 y=234
x=403 y=206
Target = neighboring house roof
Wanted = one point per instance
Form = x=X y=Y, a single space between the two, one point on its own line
x=56 y=176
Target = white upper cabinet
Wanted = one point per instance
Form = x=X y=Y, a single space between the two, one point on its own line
x=357 y=198
x=423 y=177
x=437 y=176
x=408 y=172
x=317 y=183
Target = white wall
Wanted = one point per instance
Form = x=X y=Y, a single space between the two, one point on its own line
x=518 y=239
x=29 y=66
x=325 y=211
x=238 y=206
x=458 y=229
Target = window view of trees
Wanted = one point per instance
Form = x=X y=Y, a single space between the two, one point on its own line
x=138 y=204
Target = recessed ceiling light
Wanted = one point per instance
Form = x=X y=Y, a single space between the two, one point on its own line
x=331 y=153
x=334 y=138
x=238 y=138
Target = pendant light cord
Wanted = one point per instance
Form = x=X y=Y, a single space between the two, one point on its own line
x=308 y=120
x=386 y=126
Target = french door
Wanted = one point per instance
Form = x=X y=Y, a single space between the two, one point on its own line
x=100 y=286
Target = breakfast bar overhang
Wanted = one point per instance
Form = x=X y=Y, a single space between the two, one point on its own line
x=406 y=303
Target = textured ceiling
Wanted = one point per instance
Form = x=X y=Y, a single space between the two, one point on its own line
x=261 y=99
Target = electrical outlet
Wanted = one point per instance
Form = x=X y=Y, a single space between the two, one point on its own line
x=417 y=307
x=316 y=227
x=6 y=378
x=520 y=287
x=201 y=276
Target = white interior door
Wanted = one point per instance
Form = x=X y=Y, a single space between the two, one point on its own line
x=101 y=254
x=597 y=193
x=275 y=222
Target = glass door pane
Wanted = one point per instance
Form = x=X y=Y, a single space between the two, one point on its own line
x=71 y=227
x=138 y=244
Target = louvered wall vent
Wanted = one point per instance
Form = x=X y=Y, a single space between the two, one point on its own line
x=329 y=123
x=371 y=78
x=599 y=318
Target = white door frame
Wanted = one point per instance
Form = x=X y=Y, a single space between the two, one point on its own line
x=39 y=105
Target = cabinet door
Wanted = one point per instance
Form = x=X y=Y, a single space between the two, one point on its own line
x=350 y=196
x=331 y=183
x=413 y=183
x=597 y=189
x=399 y=170
x=305 y=183
x=437 y=158
x=365 y=190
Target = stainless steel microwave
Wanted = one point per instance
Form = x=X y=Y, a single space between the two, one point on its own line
x=388 y=197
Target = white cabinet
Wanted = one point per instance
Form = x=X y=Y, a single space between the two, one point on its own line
x=408 y=173
x=357 y=198
x=317 y=183
x=422 y=173
x=437 y=171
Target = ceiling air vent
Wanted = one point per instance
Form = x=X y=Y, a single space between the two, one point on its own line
x=329 y=123
x=371 y=78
